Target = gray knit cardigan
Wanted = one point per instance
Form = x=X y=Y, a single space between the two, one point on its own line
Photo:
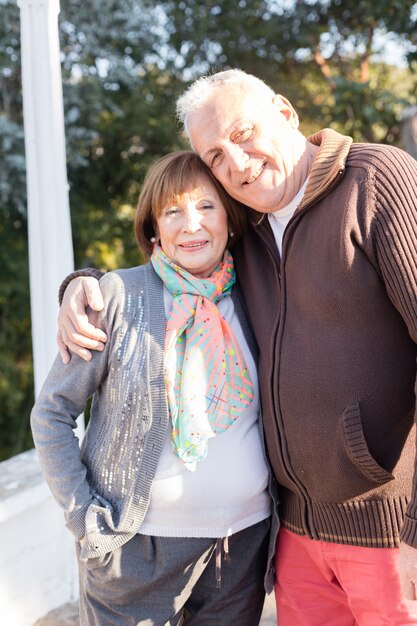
x=105 y=490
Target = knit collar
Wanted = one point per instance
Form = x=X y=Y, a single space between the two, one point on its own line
x=329 y=162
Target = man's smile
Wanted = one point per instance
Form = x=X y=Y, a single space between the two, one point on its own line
x=256 y=175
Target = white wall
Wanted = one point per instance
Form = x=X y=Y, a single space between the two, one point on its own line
x=37 y=564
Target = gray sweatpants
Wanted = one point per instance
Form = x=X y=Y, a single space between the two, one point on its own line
x=163 y=581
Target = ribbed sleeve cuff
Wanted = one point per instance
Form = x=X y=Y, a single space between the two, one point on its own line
x=76 y=523
x=408 y=532
x=88 y=271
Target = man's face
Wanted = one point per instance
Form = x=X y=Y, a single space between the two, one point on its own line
x=252 y=145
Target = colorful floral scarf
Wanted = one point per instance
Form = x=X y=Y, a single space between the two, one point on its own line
x=207 y=381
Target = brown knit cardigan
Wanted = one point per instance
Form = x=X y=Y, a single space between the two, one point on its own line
x=336 y=324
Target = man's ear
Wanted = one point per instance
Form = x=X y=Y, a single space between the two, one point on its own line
x=286 y=109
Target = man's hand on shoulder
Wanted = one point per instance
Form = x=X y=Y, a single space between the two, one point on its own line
x=75 y=333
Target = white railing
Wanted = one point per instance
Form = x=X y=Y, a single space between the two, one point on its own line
x=37 y=563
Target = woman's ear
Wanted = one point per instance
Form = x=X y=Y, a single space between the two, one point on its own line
x=155 y=237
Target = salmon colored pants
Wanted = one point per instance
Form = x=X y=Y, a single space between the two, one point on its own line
x=330 y=584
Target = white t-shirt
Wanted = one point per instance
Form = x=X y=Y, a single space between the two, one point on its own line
x=228 y=491
x=280 y=219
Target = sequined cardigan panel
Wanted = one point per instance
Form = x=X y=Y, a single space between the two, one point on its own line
x=105 y=490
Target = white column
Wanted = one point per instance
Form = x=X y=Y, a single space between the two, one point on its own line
x=50 y=242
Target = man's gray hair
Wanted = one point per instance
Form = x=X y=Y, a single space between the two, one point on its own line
x=201 y=89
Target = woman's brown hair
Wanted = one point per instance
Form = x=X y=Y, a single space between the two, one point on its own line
x=169 y=177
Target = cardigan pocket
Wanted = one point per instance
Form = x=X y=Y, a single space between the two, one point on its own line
x=357 y=448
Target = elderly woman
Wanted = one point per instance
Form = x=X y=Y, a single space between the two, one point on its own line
x=171 y=474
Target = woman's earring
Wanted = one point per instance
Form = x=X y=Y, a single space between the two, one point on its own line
x=231 y=234
x=153 y=240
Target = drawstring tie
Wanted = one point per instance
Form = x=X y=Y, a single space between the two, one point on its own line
x=222 y=545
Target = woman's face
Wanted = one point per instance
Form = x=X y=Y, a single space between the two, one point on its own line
x=193 y=230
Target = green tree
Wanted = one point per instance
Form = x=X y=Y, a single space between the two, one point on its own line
x=123 y=64
x=16 y=376
x=119 y=117
x=345 y=41
x=325 y=55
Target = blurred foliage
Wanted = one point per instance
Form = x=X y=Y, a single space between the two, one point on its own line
x=325 y=56
x=123 y=65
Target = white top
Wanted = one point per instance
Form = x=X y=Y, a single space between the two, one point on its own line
x=228 y=491
x=280 y=219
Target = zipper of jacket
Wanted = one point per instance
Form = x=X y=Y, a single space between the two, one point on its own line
x=308 y=524
x=278 y=427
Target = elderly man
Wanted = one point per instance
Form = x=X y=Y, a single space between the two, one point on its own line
x=328 y=269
